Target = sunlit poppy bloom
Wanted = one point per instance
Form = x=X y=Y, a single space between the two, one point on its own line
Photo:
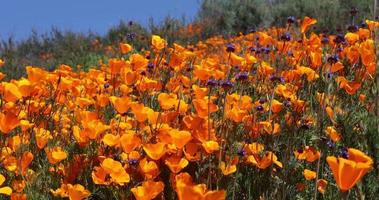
x=129 y=141
x=73 y=192
x=309 y=174
x=125 y=48
x=229 y=168
x=4 y=190
x=116 y=171
x=149 y=169
x=149 y=190
x=210 y=146
x=55 y=155
x=167 y=101
x=176 y=163
x=191 y=151
x=306 y=23
x=309 y=154
x=265 y=160
x=155 y=151
x=348 y=171
x=157 y=42
x=121 y=104
x=42 y=137
x=26 y=159
x=186 y=190
x=333 y=134
x=8 y=121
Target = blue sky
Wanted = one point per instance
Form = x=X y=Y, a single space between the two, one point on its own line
x=19 y=17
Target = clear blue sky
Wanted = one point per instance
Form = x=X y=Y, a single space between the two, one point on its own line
x=19 y=17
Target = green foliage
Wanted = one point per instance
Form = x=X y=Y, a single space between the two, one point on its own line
x=223 y=16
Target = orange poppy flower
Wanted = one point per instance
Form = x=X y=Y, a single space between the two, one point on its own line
x=309 y=174
x=4 y=190
x=167 y=101
x=42 y=137
x=149 y=169
x=116 y=171
x=336 y=67
x=138 y=62
x=157 y=42
x=121 y=104
x=73 y=192
x=26 y=159
x=309 y=154
x=10 y=163
x=211 y=146
x=125 y=48
x=186 y=190
x=178 y=138
x=333 y=134
x=229 y=168
x=352 y=38
x=55 y=155
x=348 y=171
x=350 y=87
x=129 y=141
x=8 y=121
x=111 y=140
x=176 y=163
x=11 y=92
x=99 y=176
x=201 y=106
x=115 y=65
x=36 y=74
x=306 y=23
x=191 y=151
x=149 y=190
x=264 y=161
x=155 y=151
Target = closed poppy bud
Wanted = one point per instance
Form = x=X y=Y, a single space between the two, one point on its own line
x=362 y=98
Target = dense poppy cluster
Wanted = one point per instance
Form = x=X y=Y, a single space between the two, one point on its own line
x=187 y=121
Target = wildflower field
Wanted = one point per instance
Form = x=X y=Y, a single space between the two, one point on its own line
x=277 y=113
